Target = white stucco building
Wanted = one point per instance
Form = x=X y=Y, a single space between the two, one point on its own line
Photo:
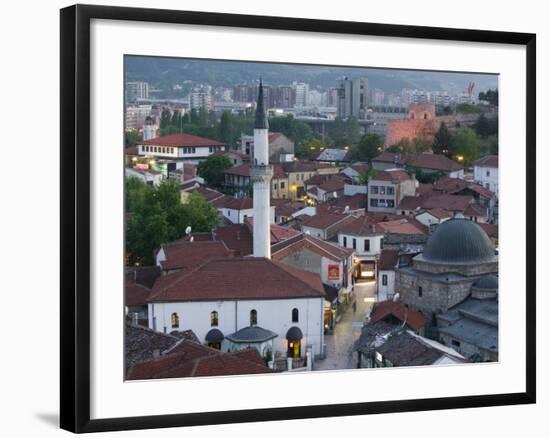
x=486 y=172
x=180 y=147
x=222 y=297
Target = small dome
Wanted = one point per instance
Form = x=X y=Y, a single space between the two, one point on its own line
x=488 y=282
x=214 y=335
x=459 y=242
x=294 y=334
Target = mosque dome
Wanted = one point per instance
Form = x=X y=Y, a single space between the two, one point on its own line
x=459 y=242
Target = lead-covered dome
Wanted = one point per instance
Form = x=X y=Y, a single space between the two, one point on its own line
x=459 y=241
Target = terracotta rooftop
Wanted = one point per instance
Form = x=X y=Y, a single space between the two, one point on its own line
x=439 y=213
x=324 y=219
x=237 y=279
x=487 y=161
x=236 y=237
x=390 y=157
x=181 y=140
x=299 y=166
x=455 y=203
x=195 y=360
x=413 y=319
x=333 y=184
x=403 y=226
x=135 y=294
x=362 y=226
x=189 y=255
x=242 y=170
x=434 y=162
x=391 y=175
x=388 y=259
x=208 y=194
x=297 y=243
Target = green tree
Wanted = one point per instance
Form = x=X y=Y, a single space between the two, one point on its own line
x=490 y=96
x=203 y=117
x=226 y=129
x=212 y=169
x=353 y=130
x=299 y=132
x=156 y=216
x=165 y=119
x=368 y=147
x=485 y=126
x=466 y=144
x=311 y=149
x=442 y=140
x=131 y=138
x=366 y=176
x=199 y=214
x=467 y=108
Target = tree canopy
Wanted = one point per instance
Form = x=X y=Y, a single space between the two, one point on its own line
x=466 y=144
x=156 y=216
x=368 y=147
x=212 y=169
x=442 y=140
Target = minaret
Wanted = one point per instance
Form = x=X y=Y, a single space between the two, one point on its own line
x=261 y=173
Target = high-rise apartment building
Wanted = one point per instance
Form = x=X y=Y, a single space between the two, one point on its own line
x=352 y=98
x=137 y=90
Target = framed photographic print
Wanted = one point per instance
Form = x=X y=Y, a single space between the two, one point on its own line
x=269 y=218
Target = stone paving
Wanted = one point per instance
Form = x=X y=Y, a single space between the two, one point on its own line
x=339 y=345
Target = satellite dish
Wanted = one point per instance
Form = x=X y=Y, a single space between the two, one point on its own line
x=188 y=230
x=396 y=297
x=346 y=210
x=191 y=239
x=308 y=232
x=335 y=194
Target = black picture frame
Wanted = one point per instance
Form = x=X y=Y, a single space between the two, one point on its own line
x=75 y=217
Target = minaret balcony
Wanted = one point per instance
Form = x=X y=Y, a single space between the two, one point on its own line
x=260 y=172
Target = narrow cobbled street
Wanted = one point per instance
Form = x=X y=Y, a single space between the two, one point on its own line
x=339 y=345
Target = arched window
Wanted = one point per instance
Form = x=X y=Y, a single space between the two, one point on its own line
x=253 y=317
x=425 y=115
x=214 y=318
x=295 y=315
x=175 y=320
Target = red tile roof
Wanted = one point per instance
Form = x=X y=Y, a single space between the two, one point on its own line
x=242 y=170
x=391 y=175
x=449 y=185
x=487 y=161
x=278 y=233
x=208 y=194
x=388 y=259
x=190 y=359
x=439 y=213
x=403 y=226
x=362 y=226
x=355 y=202
x=324 y=219
x=189 y=255
x=390 y=157
x=182 y=140
x=334 y=184
x=238 y=203
x=455 y=203
x=300 y=166
x=132 y=150
x=490 y=229
x=236 y=279
x=135 y=294
x=434 y=162
x=381 y=310
x=475 y=210
x=236 y=237
x=297 y=243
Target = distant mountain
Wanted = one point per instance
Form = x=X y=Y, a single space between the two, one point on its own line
x=163 y=73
